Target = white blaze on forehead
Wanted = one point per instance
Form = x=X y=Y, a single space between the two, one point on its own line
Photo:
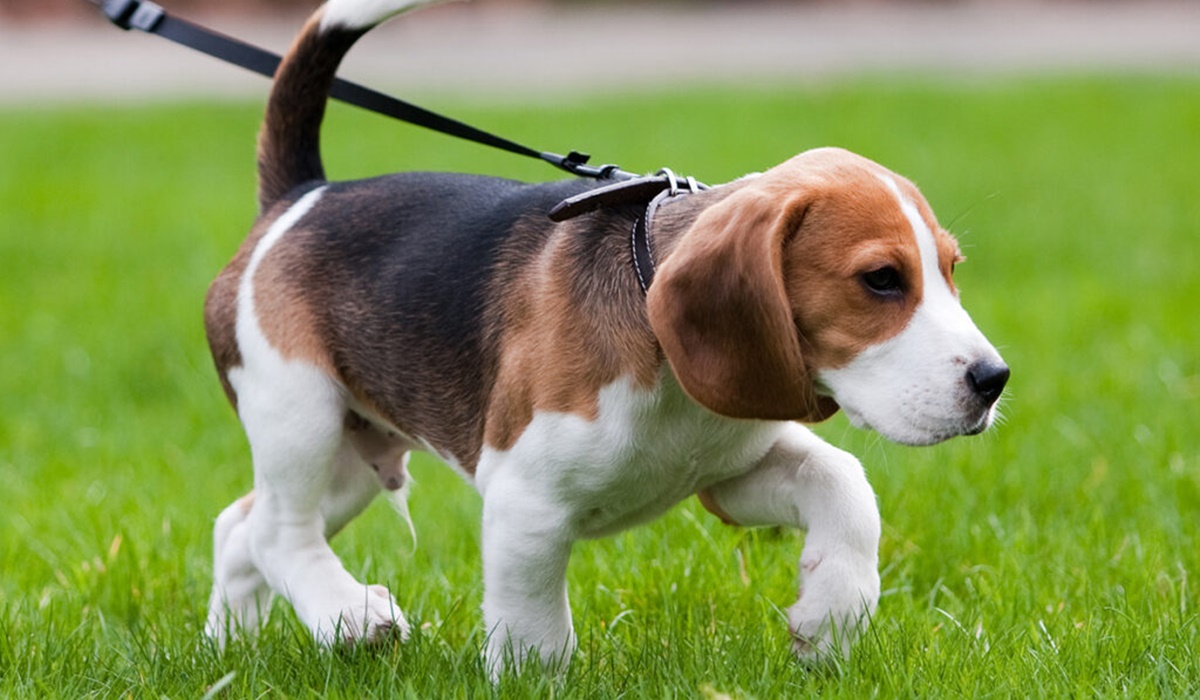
x=930 y=270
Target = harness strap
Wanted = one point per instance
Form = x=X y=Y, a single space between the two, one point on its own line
x=639 y=243
x=656 y=188
x=631 y=191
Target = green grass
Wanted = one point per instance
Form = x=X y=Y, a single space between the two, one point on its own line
x=1055 y=556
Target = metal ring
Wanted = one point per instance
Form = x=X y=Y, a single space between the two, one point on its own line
x=672 y=180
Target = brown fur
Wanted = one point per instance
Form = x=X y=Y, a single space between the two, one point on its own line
x=568 y=322
x=710 y=504
x=289 y=145
x=284 y=307
x=220 y=309
x=286 y=320
x=853 y=225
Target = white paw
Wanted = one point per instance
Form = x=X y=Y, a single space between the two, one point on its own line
x=372 y=616
x=837 y=599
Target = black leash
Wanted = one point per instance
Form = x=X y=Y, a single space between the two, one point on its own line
x=148 y=17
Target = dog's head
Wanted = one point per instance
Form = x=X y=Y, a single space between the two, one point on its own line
x=826 y=282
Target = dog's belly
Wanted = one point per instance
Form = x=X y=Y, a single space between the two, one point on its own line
x=644 y=452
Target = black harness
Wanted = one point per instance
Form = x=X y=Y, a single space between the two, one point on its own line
x=656 y=188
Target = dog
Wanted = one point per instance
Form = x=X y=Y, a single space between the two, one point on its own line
x=363 y=320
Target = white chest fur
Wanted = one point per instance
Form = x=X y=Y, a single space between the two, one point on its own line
x=645 y=451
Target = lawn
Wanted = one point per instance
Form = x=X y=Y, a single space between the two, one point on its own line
x=1055 y=556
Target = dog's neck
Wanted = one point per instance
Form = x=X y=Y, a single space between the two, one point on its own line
x=673 y=217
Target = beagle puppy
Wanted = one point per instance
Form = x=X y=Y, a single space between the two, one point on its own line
x=363 y=320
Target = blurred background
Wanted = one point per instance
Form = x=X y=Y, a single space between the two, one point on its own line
x=62 y=8
x=63 y=49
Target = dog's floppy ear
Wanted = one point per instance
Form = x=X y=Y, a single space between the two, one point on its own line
x=719 y=307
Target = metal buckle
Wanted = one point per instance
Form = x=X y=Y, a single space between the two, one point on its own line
x=673 y=188
x=133 y=14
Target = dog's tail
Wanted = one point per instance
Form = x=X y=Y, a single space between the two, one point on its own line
x=289 y=145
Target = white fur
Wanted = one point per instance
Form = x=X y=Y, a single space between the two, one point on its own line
x=308 y=483
x=364 y=14
x=806 y=483
x=568 y=478
x=913 y=388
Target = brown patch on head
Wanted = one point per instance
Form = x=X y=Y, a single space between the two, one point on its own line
x=569 y=321
x=854 y=225
x=767 y=286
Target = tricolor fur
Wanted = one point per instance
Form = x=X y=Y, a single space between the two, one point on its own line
x=440 y=312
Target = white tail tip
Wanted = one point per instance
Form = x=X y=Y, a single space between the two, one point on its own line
x=364 y=14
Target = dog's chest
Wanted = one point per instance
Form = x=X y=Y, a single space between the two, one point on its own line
x=645 y=451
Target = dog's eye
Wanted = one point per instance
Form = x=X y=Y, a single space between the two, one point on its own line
x=885 y=281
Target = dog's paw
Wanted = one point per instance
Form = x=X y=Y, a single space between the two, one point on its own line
x=837 y=599
x=373 y=616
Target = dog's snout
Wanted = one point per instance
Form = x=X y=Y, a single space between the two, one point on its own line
x=987 y=379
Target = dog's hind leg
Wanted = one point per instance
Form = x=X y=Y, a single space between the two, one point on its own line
x=241 y=596
x=309 y=481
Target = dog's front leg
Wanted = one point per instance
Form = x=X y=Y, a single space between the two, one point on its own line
x=526 y=547
x=805 y=482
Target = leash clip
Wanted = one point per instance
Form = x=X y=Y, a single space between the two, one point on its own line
x=133 y=14
x=576 y=163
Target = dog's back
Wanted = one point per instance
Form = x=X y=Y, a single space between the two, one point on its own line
x=394 y=272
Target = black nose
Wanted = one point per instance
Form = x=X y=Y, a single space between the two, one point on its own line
x=987 y=380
